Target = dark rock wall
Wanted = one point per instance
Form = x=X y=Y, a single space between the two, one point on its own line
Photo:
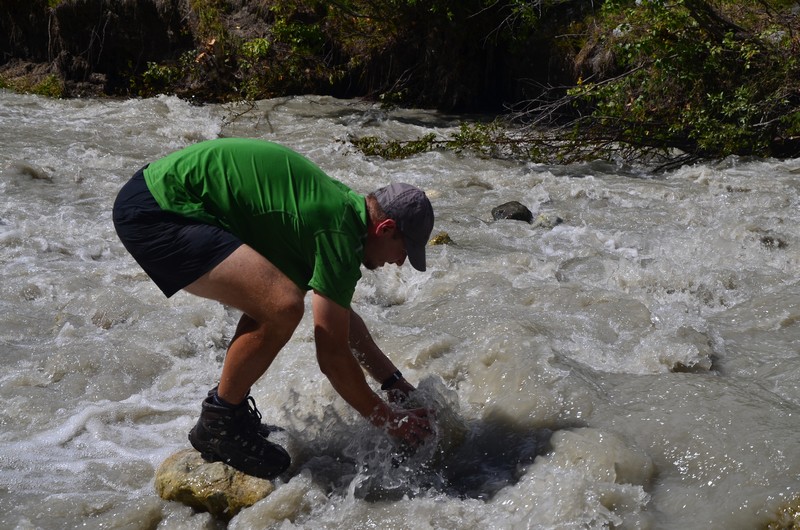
x=25 y=30
x=117 y=38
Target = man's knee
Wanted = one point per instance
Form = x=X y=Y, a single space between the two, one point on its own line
x=279 y=318
x=278 y=309
x=290 y=310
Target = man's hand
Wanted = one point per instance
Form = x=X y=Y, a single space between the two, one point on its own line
x=410 y=426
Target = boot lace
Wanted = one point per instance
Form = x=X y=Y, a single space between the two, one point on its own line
x=252 y=416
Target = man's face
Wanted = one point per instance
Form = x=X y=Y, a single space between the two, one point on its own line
x=385 y=244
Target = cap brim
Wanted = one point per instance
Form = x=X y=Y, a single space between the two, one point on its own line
x=416 y=255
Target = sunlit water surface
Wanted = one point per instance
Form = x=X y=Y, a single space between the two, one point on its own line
x=635 y=366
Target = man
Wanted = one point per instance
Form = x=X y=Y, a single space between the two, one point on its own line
x=255 y=226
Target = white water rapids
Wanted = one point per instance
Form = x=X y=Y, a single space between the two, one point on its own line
x=635 y=366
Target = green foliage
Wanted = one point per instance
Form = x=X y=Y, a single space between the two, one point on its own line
x=158 y=78
x=435 y=53
x=50 y=85
x=298 y=35
x=252 y=53
x=491 y=140
x=391 y=149
x=712 y=79
x=484 y=138
x=791 y=123
x=210 y=18
x=255 y=49
x=707 y=78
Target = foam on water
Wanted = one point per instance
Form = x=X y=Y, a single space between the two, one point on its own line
x=634 y=366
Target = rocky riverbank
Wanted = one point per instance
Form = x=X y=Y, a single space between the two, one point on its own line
x=214 y=50
x=90 y=48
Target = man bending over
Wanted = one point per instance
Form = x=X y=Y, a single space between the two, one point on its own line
x=255 y=226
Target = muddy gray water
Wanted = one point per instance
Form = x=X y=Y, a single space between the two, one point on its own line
x=635 y=366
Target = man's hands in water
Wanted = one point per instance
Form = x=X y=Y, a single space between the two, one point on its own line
x=411 y=426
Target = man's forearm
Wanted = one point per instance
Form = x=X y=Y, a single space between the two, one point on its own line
x=347 y=379
x=379 y=366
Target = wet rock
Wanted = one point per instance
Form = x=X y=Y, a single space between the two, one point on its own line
x=512 y=210
x=603 y=456
x=30 y=292
x=701 y=356
x=213 y=487
x=442 y=238
x=786 y=517
x=773 y=242
x=31 y=170
x=769 y=239
x=547 y=221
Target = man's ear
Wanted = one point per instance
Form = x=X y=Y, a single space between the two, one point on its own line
x=385 y=226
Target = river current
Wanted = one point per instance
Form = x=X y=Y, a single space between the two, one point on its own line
x=633 y=366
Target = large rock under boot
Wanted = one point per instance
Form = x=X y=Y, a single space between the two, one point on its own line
x=213 y=487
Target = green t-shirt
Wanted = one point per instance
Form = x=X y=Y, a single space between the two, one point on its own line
x=278 y=202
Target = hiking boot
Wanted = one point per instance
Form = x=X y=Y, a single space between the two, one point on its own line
x=233 y=436
x=263 y=429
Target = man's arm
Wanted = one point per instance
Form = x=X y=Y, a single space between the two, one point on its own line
x=379 y=366
x=331 y=334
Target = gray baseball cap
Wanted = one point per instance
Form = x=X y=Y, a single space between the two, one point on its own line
x=410 y=208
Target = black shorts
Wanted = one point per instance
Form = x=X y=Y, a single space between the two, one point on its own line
x=172 y=249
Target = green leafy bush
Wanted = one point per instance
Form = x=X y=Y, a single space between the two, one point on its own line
x=158 y=78
x=711 y=79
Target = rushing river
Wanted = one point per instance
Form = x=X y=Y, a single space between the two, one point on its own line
x=635 y=366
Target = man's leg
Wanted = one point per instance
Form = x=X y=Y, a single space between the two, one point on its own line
x=272 y=305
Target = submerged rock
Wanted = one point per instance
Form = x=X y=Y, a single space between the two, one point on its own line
x=31 y=170
x=547 y=221
x=512 y=210
x=786 y=517
x=603 y=456
x=213 y=487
